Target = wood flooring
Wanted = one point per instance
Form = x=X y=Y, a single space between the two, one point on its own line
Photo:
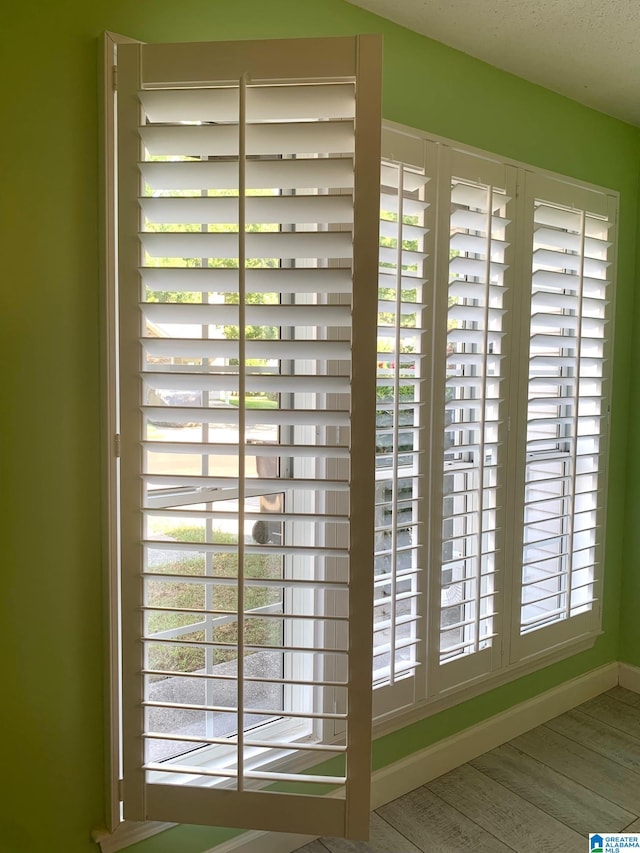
x=542 y=792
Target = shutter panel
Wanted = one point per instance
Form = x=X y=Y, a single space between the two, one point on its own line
x=566 y=412
x=246 y=247
x=470 y=400
x=405 y=278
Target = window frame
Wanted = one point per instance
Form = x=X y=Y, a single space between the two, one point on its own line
x=400 y=141
x=390 y=719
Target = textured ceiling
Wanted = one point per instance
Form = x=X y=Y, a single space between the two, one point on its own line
x=588 y=50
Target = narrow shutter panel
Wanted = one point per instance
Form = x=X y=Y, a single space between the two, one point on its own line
x=405 y=278
x=247 y=343
x=470 y=435
x=567 y=393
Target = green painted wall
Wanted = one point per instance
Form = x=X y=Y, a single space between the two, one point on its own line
x=630 y=602
x=50 y=523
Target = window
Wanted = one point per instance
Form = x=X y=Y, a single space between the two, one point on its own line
x=496 y=286
x=261 y=594
x=246 y=239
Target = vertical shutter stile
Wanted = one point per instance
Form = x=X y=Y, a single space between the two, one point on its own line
x=242 y=425
x=367 y=191
x=246 y=252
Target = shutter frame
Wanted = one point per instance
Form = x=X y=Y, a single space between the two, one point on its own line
x=514 y=654
x=356 y=59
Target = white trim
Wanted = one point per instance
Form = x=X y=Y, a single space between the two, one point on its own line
x=109 y=430
x=110 y=425
x=629 y=677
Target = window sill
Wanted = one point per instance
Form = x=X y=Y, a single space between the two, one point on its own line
x=385 y=724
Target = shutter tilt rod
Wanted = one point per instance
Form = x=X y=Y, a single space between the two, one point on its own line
x=242 y=189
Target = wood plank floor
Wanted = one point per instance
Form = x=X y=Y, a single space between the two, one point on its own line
x=543 y=791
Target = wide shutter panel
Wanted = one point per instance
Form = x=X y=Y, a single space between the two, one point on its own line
x=247 y=242
x=471 y=396
x=405 y=283
x=512 y=272
x=566 y=413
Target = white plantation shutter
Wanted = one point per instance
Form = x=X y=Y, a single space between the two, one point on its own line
x=405 y=284
x=273 y=547
x=493 y=324
x=567 y=318
x=471 y=395
x=246 y=247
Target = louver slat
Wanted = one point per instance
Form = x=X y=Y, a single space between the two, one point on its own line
x=222 y=246
x=278 y=209
x=258 y=280
x=261 y=139
x=183 y=175
x=265 y=103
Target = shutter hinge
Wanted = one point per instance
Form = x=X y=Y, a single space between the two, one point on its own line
x=116 y=445
x=121 y=789
x=114 y=77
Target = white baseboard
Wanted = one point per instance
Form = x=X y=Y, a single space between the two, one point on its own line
x=629 y=677
x=421 y=767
